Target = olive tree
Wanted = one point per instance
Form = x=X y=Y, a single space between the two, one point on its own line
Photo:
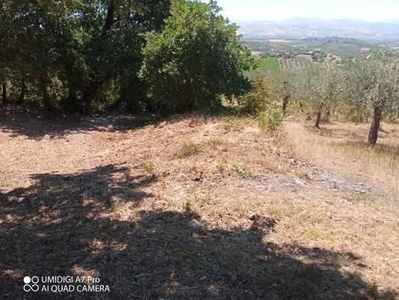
x=373 y=84
x=319 y=89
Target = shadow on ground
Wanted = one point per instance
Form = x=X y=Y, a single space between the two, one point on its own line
x=69 y=225
x=35 y=125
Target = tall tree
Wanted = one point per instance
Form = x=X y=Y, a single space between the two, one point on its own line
x=195 y=58
x=114 y=43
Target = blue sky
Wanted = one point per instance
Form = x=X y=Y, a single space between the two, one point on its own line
x=369 y=10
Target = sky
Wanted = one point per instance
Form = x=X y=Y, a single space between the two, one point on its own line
x=277 y=10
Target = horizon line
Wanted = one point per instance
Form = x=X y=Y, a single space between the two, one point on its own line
x=388 y=21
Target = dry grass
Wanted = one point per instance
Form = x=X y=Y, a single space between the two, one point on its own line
x=149 y=167
x=236 y=214
x=342 y=147
x=188 y=149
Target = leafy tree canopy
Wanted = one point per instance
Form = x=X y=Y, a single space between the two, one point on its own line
x=195 y=58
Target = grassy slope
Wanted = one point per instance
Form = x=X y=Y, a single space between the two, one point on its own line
x=194 y=207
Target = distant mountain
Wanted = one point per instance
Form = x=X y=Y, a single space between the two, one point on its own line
x=316 y=28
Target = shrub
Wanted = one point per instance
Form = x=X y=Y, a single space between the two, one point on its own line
x=270 y=119
x=187 y=150
x=149 y=167
x=257 y=98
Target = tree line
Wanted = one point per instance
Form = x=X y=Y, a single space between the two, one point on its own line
x=121 y=55
x=136 y=56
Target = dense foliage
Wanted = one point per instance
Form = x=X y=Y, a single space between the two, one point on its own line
x=170 y=56
x=195 y=58
x=78 y=54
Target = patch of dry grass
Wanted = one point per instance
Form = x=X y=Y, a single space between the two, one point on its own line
x=341 y=147
x=383 y=156
x=237 y=214
x=149 y=167
x=188 y=149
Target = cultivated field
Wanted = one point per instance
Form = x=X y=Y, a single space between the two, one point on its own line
x=268 y=64
x=295 y=63
x=199 y=208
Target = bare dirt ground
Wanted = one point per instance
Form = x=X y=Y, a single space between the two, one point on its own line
x=198 y=208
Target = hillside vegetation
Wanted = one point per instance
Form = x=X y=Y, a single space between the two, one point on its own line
x=119 y=55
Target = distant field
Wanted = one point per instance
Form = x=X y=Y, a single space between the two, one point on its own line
x=295 y=63
x=270 y=63
x=343 y=47
x=280 y=41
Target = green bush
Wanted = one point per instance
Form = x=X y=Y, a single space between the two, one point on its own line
x=270 y=119
x=257 y=98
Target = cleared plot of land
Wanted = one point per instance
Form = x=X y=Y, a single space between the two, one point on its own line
x=198 y=207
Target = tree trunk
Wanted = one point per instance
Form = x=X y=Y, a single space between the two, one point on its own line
x=73 y=103
x=285 y=103
x=375 y=126
x=90 y=93
x=192 y=99
x=21 y=97
x=301 y=106
x=4 y=86
x=93 y=87
x=318 y=117
x=109 y=21
x=43 y=82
